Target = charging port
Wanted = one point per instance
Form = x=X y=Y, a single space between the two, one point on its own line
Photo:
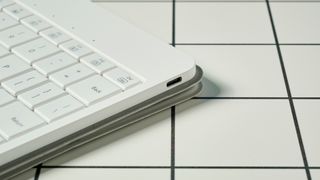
x=173 y=82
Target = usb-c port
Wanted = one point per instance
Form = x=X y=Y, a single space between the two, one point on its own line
x=173 y=82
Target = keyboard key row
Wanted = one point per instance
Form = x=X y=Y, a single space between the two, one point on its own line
x=55 y=36
x=75 y=49
x=12 y=65
x=54 y=63
x=35 y=23
x=41 y=94
x=24 y=82
x=97 y=63
x=17 y=119
x=71 y=75
x=6 y=21
x=16 y=35
x=4 y=3
x=35 y=50
x=3 y=52
x=5 y=97
x=17 y=12
x=93 y=89
x=59 y=108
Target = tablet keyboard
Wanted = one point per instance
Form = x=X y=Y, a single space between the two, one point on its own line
x=46 y=75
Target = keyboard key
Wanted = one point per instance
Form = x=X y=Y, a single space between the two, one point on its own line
x=40 y=94
x=17 y=11
x=5 y=97
x=6 y=21
x=93 y=89
x=55 y=36
x=75 y=49
x=17 y=119
x=121 y=78
x=98 y=63
x=54 y=63
x=35 y=23
x=59 y=108
x=23 y=82
x=3 y=52
x=71 y=74
x=4 y=3
x=15 y=36
x=35 y=50
x=11 y=65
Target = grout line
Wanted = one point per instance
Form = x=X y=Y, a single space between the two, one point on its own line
x=177 y=167
x=240 y=98
x=173 y=109
x=105 y=167
x=247 y=44
x=38 y=171
x=203 y=1
x=262 y=98
x=173 y=118
x=293 y=111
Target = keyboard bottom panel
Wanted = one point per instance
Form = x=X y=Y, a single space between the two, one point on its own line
x=139 y=112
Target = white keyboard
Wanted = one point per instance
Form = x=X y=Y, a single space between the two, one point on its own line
x=46 y=75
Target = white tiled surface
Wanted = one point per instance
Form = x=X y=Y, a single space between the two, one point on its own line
x=238 y=133
x=152 y=17
x=241 y=73
x=297 y=22
x=308 y=113
x=236 y=174
x=223 y=23
x=242 y=127
x=303 y=69
x=315 y=174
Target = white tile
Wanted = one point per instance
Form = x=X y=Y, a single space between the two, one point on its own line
x=315 y=174
x=152 y=17
x=144 y=144
x=302 y=66
x=237 y=174
x=237 y=71
x=103 y=174
x=308 y=117
x=297 y=22
x=223 y=23
x=236 y=133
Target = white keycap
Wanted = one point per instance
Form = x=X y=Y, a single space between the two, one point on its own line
x=97 y=63
x=15 y=36
x=5 y=97
x=12 y=65
x=17 y=119
x=122 y=78
x=35 y=23
x=58 y=108
x=75 y=49
x=3 y=52
x=6 y=21
x=35 y=50
x=4 y=3
x=54 y=63
x=71 y=74
x=17 y=11
x=55 y=36
x=93 y=89
x=23 y=82
x=40 y=94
